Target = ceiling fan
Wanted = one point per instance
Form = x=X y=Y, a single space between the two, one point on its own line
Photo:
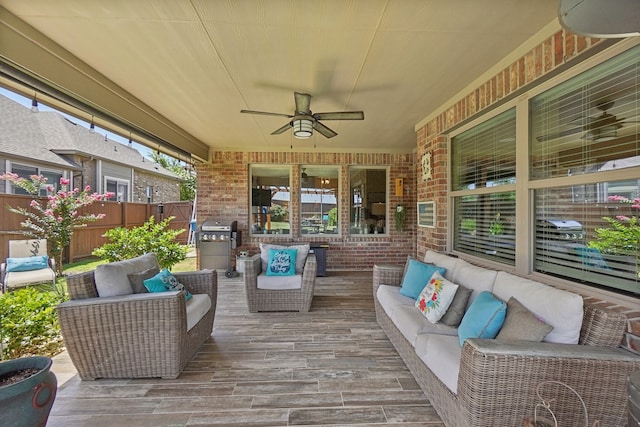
x=303 y=121
x=603 y=127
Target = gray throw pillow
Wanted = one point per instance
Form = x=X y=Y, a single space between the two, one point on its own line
x=522 y=324
x=456 y=310
x=137 y=279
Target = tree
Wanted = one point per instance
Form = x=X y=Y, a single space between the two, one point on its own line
x=56 y=219
x=333 y=217
x=278 y=213
x=150 y=237
x=188 y=185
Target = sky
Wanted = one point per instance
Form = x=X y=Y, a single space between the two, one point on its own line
x=145 y=151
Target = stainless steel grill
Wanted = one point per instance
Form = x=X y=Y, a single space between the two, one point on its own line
x=215 y=243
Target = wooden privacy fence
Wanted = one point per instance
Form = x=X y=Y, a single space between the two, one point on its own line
x=86 y=239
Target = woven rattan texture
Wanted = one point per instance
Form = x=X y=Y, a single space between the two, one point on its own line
x=497 y=381
x=137 y=337
x=279 y=300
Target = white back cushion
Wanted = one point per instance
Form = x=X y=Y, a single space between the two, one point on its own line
x=301 y=255
x=561 y=309
x=112 y=278
x=476 y=278
x=441 y=260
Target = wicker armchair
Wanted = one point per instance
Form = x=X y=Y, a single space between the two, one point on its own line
x=279 y=299
x=134 y=336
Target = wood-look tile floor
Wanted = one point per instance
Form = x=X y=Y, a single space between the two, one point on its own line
x=332 y=366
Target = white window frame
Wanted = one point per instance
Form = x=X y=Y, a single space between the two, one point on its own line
x=118 y=181
x=524 y=187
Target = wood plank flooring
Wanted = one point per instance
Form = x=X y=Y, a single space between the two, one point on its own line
x=332 y=366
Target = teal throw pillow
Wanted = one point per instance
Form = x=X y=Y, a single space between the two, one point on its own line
x=165 y=281
x=416 y=277
x=27 y=264
x=282 y=262
x=483 y=319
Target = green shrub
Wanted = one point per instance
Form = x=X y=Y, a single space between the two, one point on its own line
x=29 y=323
x=150 y=237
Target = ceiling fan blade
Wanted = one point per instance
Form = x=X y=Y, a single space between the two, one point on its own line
x=340 y=115
x=303 y=102
x=282 y=129
x=324 y=130
x=266 y=113
x=560 y=134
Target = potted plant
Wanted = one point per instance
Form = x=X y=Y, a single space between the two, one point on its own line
x=27 y=391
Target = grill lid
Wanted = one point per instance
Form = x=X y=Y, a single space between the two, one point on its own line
x=561 y=224
x=213 y=225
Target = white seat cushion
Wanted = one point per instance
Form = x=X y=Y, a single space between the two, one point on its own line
x=411 y=323
x=406 y=317
x=197 y=307
x=390 y=298
x=279 y=282
x=15 y=278
x=441 y=354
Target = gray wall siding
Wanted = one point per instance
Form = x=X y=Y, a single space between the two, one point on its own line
x=116 y=171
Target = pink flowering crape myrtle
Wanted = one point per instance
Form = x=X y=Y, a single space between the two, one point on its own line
x=55 y=217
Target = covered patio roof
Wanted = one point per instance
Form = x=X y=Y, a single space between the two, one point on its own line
x=176 y=74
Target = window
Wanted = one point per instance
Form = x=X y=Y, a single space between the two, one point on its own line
x=270 y=200
x=588 y=124
x=24 y=171
x=368 y=210
x=585 y=142
x=119 y=188
x=483 y=180
x=592 y=238
x=149 y=194
x=319 y=211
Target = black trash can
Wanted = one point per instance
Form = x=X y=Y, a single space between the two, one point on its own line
x=320 y=250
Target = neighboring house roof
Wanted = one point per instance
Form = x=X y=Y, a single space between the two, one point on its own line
x=48 y=136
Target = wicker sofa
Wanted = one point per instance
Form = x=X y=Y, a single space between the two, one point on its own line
x=135 y=335
x=488 y=382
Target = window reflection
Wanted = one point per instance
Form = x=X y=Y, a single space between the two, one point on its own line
x=319 y=200
x=368 y=211
x=270 y=200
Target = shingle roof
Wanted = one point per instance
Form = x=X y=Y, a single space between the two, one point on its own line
x=47 y=135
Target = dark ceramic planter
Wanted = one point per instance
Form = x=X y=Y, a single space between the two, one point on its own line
x=27 y=403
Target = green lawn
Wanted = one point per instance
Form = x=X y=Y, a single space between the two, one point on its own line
x=89 y=264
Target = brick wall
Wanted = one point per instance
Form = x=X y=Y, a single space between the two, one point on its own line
x=544 y=59
x=223 y=193
x=165 y=189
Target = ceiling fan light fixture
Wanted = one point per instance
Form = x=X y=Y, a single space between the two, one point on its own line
x=605 y=133
x=302 y=128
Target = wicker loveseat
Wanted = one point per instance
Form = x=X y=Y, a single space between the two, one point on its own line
x=135 y=335
x=489 y=382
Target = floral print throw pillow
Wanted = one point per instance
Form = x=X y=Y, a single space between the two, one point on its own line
x=434 y=300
